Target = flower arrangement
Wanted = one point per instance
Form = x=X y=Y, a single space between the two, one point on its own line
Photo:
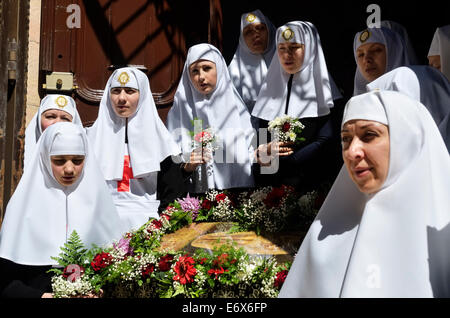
x=287 y=129
x=135 y=267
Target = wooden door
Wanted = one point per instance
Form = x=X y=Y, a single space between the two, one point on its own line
x=151 y=35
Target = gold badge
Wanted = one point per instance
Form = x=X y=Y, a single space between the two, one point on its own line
x=123 y=78
x=61 y=101
x=251 y=17
x=364 y=36
x=288 y=34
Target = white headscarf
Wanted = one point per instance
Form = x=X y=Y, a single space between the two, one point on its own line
x=248 y=70
x=424 y=84
x=393 y=243
x=396 y=54
x=34 y=129
x=42 y=214
x=440 y=45
x=149 y=141
x=225 y=112
x=311 y=93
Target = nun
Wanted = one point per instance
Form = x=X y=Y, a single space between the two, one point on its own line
x=377 y=51
x=298 y=84
x=424 y=84
x=252 y=58
x=62 y=191
x=206 y=95
x=53 y=108
x=137 y=155
x=384 y=228
x=439 y=52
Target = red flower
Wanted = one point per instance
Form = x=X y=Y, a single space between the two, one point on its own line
x=101 y=261
x=281 y=277
x=167 y=217
x=202 y=260
x=286 y=127
x=165 y=263
x=206 y=204
x=220 y=197
x=157 y=224
x=274 y=198
x=72 y=272
x=217 y=272
x=185 y=270
x=148 y=270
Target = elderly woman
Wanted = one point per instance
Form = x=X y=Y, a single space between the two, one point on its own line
x=54 y=108
x=383 y=230
x=61 y=191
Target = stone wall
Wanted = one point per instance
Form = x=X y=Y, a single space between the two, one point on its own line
x=33 y=99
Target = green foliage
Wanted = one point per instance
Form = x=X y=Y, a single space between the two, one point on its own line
x=73 y=251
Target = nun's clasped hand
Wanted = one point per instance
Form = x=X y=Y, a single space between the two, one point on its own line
x=198 y=157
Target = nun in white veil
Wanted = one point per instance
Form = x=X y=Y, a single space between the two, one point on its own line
x=63 y=108
x=221 y=109
x=249 y=65
x=298 y=84
x=384 y=228
x=424 y=84
x=377 y=51
x=138 y=156
x=47 y=207
x=439 y=52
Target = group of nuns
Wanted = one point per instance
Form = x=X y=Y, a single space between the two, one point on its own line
x=383 y=229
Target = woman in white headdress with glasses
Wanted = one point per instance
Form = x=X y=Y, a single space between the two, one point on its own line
x=439 y=52
x=298 y=84
x=138 y=156
x=61 y=191
x=384 y=228
x=206 y=93
x=53 y=108
x=377 y=51
x=252 y=58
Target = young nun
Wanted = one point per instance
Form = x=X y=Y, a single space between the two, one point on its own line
x=298 y=85
x=424 y=84
x=377 y=51
x=206 y=92
x=384 y=228
x=134 y=149
x=53 y=108
x=439 y=52
x=62 y=191
x=252 y=58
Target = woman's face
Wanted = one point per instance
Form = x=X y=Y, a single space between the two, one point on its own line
x=124 y=101
x=256 y=36
x=291 y=56
x=371 y=60
x=203 y=76
x=67 y=168
x=365 y=149
x=51 y=116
